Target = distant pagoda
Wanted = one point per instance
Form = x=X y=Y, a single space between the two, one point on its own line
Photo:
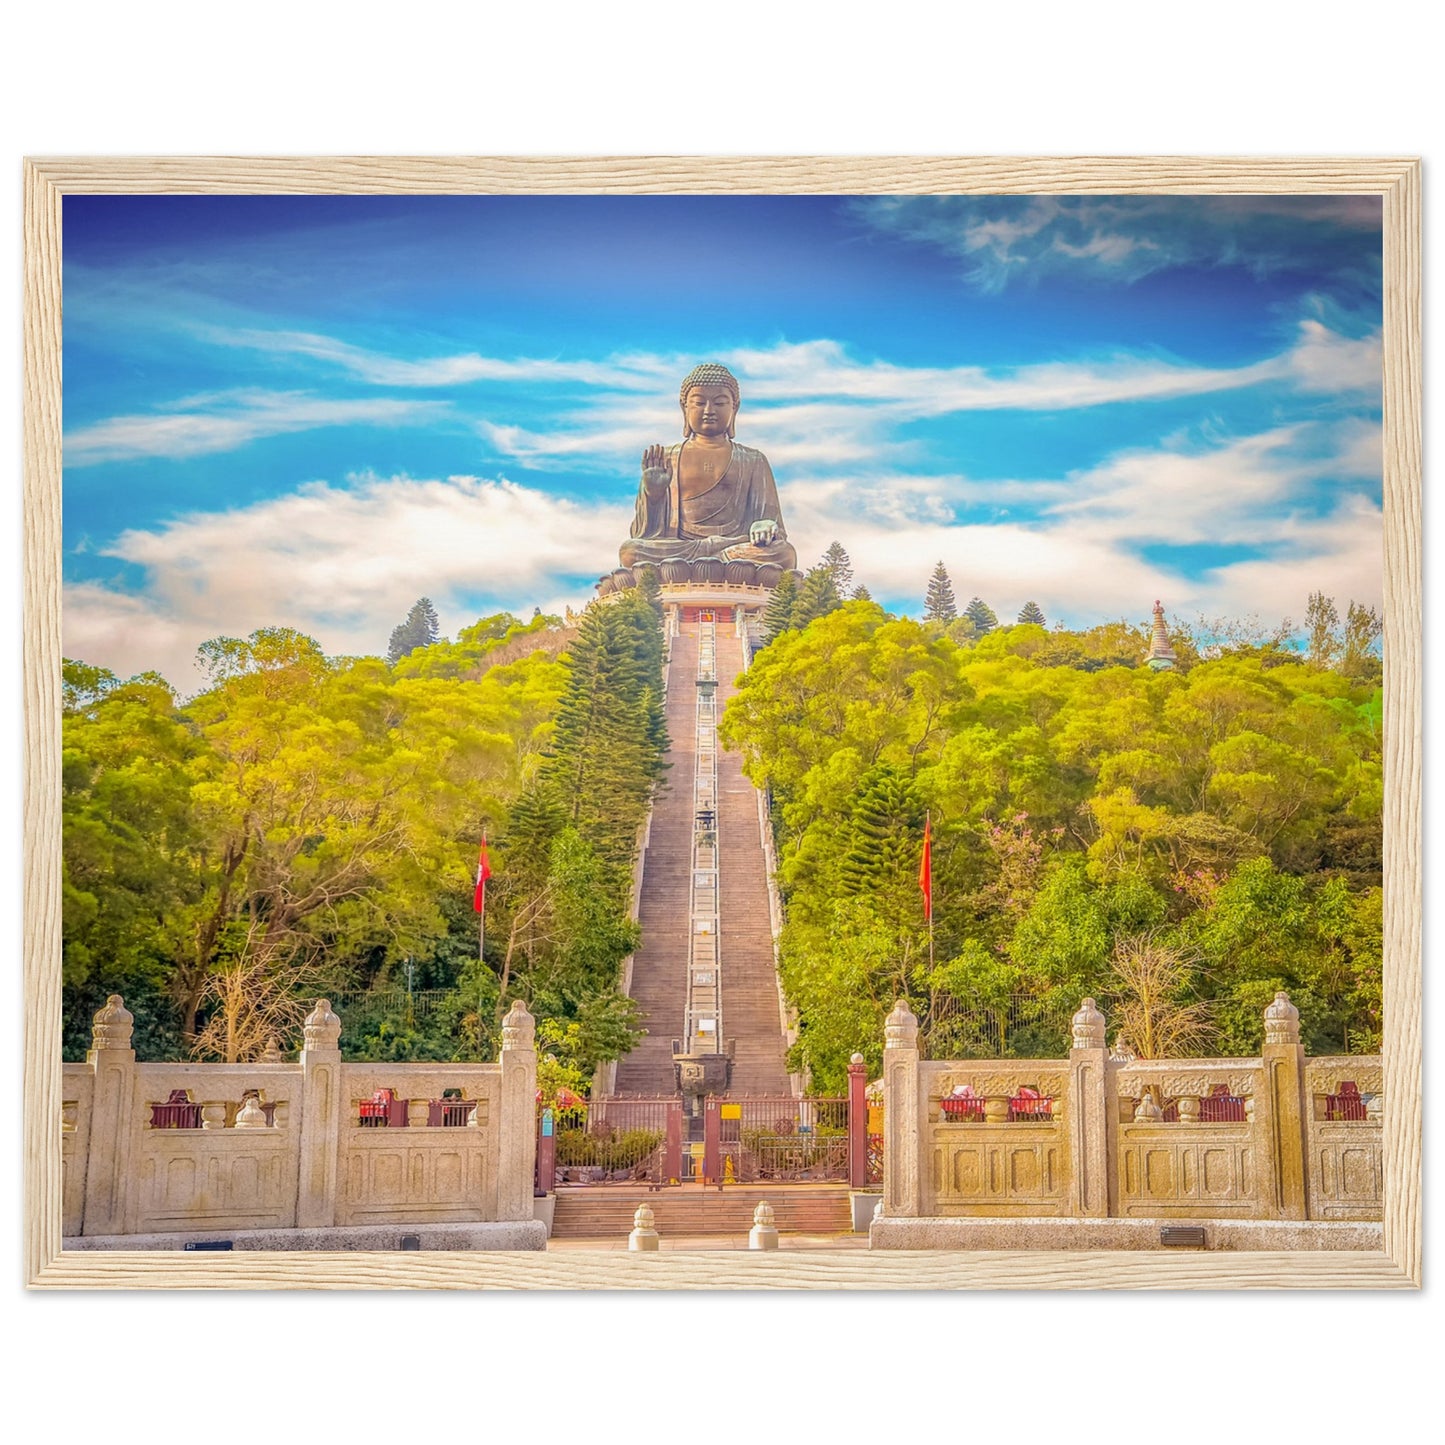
x=1161 y=655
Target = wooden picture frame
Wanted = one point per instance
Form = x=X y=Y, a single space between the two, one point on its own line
x=1396 y=181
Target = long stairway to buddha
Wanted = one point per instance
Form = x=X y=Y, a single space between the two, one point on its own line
x=747 y=979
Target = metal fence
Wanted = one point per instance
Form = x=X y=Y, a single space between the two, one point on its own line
x=609 y=1141
x=1019 y=1027
x=783 y=1139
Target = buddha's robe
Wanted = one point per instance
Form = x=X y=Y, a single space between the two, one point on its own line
x=669 y=527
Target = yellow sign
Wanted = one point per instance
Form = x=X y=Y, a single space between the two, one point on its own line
x=732 y=1111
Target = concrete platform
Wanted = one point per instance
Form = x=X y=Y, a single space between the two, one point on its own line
x=1132 y=1234
x=522 y=1234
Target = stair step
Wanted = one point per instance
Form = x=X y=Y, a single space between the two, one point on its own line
x=605 y=1211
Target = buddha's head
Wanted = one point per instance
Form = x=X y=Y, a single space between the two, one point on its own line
x=709 y=399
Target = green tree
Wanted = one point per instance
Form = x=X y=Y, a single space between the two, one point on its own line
x=836 y=560
x=882 y=848
x=1363 y=627
x=608 y=748
x=1033 y=613
x=778 y=614
x=1321 y=620
x=981 y=615
x=938 y=602
x=817 y=597
x=420 y=629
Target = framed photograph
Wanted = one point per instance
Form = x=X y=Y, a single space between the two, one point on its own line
x=793 y=722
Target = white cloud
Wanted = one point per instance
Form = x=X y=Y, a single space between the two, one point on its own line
x=343 y=564
x=1119 y=239
x=1079 y=554
x=809 y=405
x=1324 y=361
x=223 y=421
x=639 y=372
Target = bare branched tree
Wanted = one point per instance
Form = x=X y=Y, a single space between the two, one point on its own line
x=252 y=1002
x=1155 y=1020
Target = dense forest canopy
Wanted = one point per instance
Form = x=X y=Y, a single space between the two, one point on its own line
x=1177 y=843
x=310 y=824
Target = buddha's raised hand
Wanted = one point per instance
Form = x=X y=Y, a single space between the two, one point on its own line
x=655 y=473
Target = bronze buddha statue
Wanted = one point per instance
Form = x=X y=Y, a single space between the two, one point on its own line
x=707 y=496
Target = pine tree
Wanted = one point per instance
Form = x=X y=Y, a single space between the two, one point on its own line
x=610 y=737
x=420 y=629
x=836 y=560
x=1033 y=613
x=861 y=594
x=883 y=838
x=649 y=585
x=938 y=602
x=817 y=597
x=778 y=615
x=982 y=616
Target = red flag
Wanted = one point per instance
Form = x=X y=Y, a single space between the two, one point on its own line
x=484 y=871
x=925 y=869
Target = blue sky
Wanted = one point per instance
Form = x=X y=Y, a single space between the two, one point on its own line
x=312 y=410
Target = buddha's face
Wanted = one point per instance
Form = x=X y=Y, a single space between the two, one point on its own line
x=710 y=411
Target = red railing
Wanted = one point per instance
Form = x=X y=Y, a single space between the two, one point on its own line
x=1216 y=1107
x=1346 y=1105
x=176 y=1113
x=450 y=1113
x=1222 y=1107
x=383 y=1110
x=611 y=1141
x=1028 y=1106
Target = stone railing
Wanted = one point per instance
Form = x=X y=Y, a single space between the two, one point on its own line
x=1279 y=1137
x=176 y=1147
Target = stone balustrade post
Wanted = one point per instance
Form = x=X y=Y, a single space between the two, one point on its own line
x=107 y=1166
x=857 y=1122
x=644 y=1237
x=517 y=1125
x=1091 y=1118
x=251 y=1115
x=1284 y=1114
x=764 y=1233
x=322 y=1108
x=903 y=1121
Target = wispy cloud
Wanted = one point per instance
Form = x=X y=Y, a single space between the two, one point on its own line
x=342 y=563
x=813 y=405
x=624 y=372
x=223 y=421
x=1006 y=240
x=1080 y=546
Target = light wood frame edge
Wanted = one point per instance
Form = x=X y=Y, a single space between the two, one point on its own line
x=1396 y=180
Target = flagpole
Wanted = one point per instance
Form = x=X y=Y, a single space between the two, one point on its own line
x=481 y=941
x=928 y=833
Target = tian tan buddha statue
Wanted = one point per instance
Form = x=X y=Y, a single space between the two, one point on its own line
x=707 y=496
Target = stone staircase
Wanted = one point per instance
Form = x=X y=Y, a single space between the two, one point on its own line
x=752 y=1013
x=606 y=1211
x=659 y=967
x=750 y=1008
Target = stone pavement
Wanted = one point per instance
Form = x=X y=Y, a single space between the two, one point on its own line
x=709 y=1243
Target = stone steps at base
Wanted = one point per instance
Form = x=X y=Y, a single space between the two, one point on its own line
x=606 y=1211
